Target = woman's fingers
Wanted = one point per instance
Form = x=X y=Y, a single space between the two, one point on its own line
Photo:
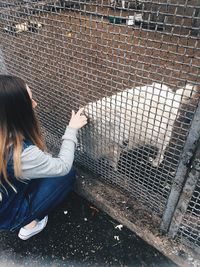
x=73 y=113
x=80 y=111
x=77 y=120
x=83 y=117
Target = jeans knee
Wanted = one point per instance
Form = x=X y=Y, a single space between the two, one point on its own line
x=69 y=179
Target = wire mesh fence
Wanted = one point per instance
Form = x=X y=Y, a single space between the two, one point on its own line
x=190 y=226
x=133 y=65
x=185 y=223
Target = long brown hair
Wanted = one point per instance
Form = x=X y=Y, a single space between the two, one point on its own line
x=17 y=123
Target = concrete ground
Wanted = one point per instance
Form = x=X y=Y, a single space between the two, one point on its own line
x=79 y=235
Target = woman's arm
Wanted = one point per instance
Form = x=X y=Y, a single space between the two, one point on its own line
x=38 y=164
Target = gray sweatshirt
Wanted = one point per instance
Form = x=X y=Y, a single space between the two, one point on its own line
x=39 y=164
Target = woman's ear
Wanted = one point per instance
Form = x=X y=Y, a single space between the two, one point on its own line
x=34 y=103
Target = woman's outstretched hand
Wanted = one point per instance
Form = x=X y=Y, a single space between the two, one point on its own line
x=77 y=120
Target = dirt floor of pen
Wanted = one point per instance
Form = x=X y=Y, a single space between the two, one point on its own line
x=79 y=235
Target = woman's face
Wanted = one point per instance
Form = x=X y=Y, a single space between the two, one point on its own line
x=34 y=103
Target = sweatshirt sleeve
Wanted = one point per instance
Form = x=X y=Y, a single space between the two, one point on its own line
x=39 y=164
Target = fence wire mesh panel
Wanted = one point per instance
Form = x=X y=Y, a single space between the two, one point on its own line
x=133 y=65
x=185 y=224
x=190 y=226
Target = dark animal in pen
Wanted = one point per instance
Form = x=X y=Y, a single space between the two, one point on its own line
x=135 y=163
x=138 y=157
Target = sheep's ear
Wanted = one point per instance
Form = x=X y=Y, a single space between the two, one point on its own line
x=187 y=92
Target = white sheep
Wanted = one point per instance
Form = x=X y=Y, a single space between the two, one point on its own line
x=143 y=115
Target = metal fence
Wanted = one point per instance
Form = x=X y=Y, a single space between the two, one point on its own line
x=134 y=66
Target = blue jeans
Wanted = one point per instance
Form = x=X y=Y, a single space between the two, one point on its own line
x=42 y=196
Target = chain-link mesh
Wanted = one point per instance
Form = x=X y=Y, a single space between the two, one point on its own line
x=133 y=65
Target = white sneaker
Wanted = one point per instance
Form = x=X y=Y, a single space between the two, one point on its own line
x=25 y=234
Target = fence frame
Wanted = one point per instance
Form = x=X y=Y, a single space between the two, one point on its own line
x=184 y=164
x=186 y=195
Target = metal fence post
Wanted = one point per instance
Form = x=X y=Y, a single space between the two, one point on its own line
x=184 y=200
x=179 y=179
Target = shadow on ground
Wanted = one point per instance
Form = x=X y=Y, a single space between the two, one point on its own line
x=79 y=235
